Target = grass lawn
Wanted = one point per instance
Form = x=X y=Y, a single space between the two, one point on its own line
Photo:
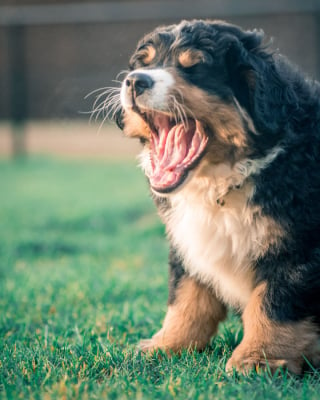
x=83 y=277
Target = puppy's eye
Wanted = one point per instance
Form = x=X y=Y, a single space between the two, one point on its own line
x=191 y=58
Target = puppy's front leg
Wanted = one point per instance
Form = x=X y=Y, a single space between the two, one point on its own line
x=193 y=314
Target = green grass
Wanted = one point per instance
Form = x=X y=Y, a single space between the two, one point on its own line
x=83 y=277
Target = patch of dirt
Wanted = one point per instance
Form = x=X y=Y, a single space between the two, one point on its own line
x=70 y=139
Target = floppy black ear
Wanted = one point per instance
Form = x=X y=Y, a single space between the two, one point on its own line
x=242 y=60
x=264 y=83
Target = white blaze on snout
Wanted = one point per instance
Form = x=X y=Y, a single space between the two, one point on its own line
x=155 y=98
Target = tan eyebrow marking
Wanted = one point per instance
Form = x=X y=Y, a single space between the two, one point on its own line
x=147 y=54
x=188 y=58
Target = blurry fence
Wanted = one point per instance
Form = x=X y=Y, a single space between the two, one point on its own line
x=53 y=55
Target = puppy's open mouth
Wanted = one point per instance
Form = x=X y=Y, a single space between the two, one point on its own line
x=175 y=148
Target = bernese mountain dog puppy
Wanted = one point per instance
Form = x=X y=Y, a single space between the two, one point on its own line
x=231 y=150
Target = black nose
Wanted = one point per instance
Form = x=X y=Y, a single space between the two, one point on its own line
x=139 y=82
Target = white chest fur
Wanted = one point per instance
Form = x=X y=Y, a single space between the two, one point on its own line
x=219 y=244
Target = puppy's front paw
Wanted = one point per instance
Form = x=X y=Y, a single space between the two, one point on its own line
x=147 y=346
x=153 y=344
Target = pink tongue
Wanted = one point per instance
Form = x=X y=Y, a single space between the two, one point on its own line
x=173 y=151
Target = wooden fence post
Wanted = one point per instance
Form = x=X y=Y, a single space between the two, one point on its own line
x=18 y=88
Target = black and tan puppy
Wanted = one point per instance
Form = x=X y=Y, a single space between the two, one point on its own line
x=231 y=147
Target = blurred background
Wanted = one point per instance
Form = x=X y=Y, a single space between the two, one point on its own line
x=83 y=254
x=54 y=52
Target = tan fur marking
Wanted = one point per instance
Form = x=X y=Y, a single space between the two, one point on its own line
x=148 y=54
x=134 y=125
x=189 y=58
x=274 y=344
x=190 y=321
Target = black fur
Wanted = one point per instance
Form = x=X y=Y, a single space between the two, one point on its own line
x=176 y=269
x=176 y=273
x=285 y=108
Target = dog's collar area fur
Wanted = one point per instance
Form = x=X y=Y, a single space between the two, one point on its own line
x=229 y=179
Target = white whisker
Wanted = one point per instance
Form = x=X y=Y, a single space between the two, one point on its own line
x=106 y=107
x=106 y=88
x=182 y=113
x=125 y=71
